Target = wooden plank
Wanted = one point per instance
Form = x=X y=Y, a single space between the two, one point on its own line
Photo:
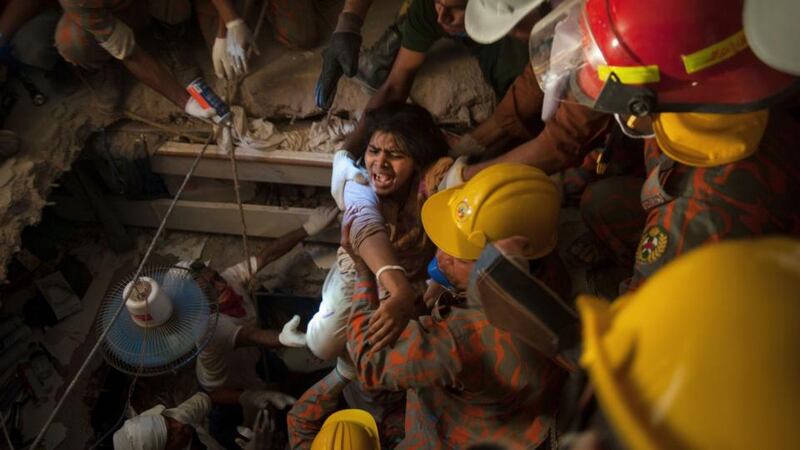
x=208 y=217
x=279 y=166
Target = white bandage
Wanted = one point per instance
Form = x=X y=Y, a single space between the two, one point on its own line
x=121 y=42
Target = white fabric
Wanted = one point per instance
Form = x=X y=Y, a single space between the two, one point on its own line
x=344 y=170
x=193 y=411
x=454 y=176
x=121 y=43
x=262 y=399
x=320 y=219
x=345 y=367
x=238 y=38
x=221 y=364
x=326 y=333
x=290 y=336
x=147 y=431
x=223 y=66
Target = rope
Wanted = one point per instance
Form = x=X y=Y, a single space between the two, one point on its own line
x=114 y=318
x=5 y=431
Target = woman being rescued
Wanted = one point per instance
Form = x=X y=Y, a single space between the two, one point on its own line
x=404 y=163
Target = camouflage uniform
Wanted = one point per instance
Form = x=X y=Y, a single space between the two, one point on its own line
x=466 y=381
x=682 y=207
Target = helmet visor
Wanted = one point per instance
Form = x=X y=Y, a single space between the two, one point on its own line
x=560 y=45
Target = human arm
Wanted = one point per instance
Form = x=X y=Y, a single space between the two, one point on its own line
x=308 y=415
x=562 y=142
x=16 y=14
x=319 y=219
x=395 y=89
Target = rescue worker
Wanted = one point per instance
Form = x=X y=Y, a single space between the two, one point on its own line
x=90 y=33
x=428 y=21
x=690 y=360
x=535 y=128
x=226 y=367
x=719 y=163
x=466 y=380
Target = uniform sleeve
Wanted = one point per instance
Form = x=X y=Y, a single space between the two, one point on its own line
x=92 y=16
x=420 y=30
x=422 y=356
x=519 y=112
x=572 y=130
x=307 y=416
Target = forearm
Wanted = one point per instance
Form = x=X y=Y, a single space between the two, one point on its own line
x=357 y=7
x=226 y=10
x=17 y=13
x=279 y=247
x=145 y=68
x=530 y=153
x=257 y=336
x=225 y=396
x=308 y=415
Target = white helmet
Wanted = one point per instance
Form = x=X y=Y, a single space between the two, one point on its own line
x=772 y=30
x=489 y=20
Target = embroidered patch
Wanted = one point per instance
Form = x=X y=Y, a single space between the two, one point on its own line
x=463 y=210
x=652 y=246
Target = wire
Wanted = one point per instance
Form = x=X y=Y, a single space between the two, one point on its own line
x=114 y=318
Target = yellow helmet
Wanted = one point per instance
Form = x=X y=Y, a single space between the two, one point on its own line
x=704 y=355
x=501 y=201
x=348 y=429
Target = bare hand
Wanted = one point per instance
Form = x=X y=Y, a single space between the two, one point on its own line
x=389 y=321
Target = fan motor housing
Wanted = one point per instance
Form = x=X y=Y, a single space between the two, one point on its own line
x=148 y=305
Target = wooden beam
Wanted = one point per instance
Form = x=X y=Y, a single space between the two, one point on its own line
x=278 y=166
x=208 y=217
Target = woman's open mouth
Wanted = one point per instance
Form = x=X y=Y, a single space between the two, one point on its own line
x=382 y=181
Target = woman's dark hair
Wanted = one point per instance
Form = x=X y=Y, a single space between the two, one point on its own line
x=414 y=129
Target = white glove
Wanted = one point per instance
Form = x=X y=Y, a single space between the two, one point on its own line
x=454 y=176
x=260 y=436
x=290 y=336
x=466 y=146
x=320 y=219
x=223 y=66
x=262 y=399
x=344 y=170
x=194 y=109
x=239 y=38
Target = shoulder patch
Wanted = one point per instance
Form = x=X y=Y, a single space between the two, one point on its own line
x=652 y=246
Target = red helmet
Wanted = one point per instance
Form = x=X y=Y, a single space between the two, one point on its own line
x=639 y=57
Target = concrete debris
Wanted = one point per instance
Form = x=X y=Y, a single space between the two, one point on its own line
x=322 y=136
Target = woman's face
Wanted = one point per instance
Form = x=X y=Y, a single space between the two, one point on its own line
x=390 y=167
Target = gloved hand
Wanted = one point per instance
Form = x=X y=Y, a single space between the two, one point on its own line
x=290 y=336
x=320 y=219
x=341 y=57
x=454 y=176
x=194 y=109
x=344 y=170
x=466 y=146
x=238 y=40
x=260 y=436
x=223 y=66
x=262 y=399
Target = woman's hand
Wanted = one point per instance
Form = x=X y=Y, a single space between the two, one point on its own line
x=390 y=319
